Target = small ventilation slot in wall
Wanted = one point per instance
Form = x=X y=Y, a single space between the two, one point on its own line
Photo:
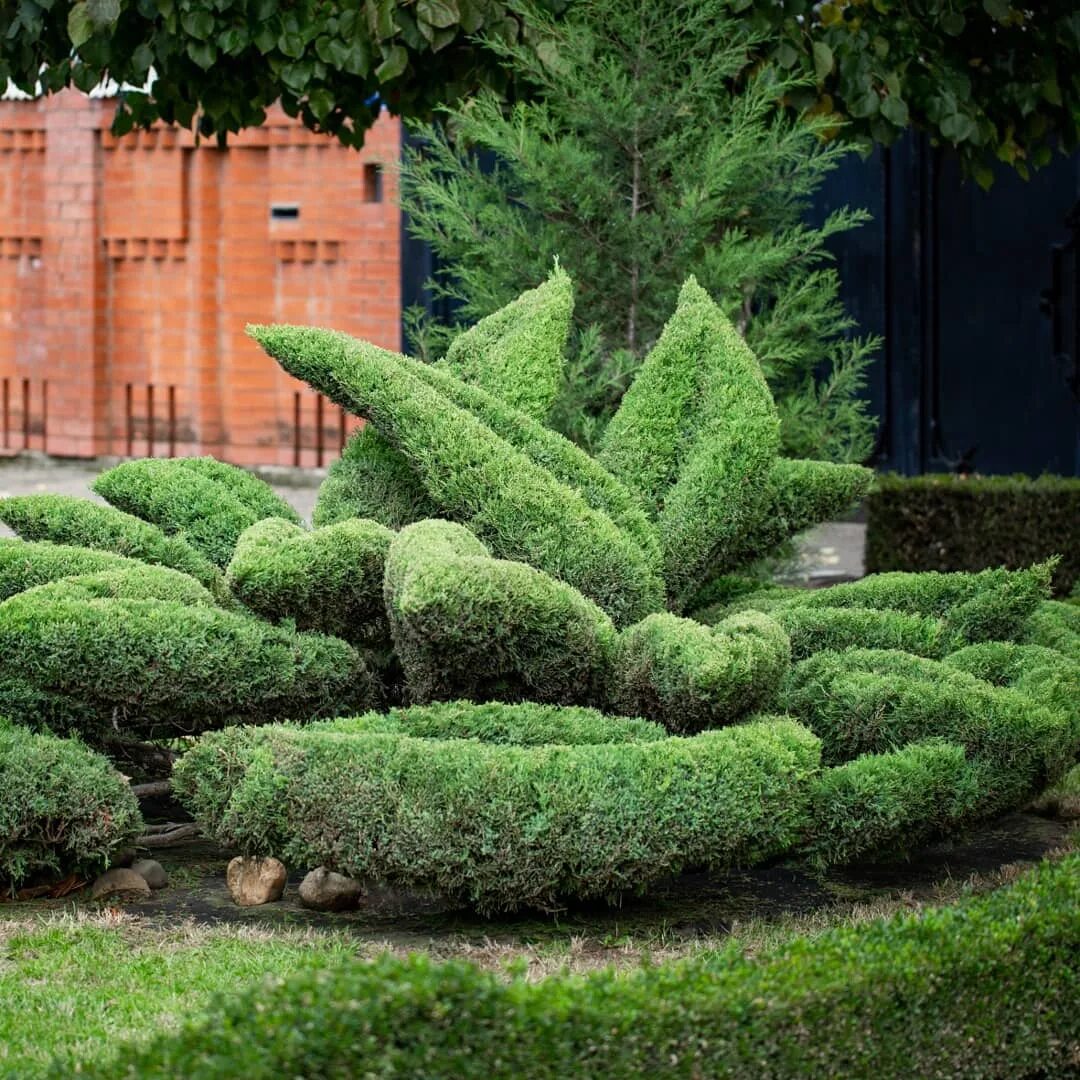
x=285 y=211
x=372 y=183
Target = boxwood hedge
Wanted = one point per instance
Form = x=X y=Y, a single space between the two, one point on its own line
x=521 y=509
x=467 y=625
x=160 y=668
x=690 y=677
x=984 y=988
x=64 y=519
x=501 y=827
x=330 y=580
x=63 y=808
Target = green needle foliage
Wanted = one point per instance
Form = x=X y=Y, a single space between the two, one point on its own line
x=649 y=150
x=24 y=564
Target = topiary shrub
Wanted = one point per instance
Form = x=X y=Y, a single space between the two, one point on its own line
x=63 y=519
x=206 y=502
x=1055 y=625
x=690 y=677
x=467 y=625
x=63 y=808
x=950 y=522
x=24 y=564
x=154 y=668
x=501 y=827
x=141 y=581
x=968 y=992
x=816 y=629
x=329 y=580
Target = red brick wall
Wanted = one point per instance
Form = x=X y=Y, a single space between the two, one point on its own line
x=130 y=267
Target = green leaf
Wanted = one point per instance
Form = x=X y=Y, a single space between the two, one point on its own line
x=199 y=24
x=864 y=105
x=823 y=60
x=395 y=62
x=142 y=59
x=895 y=110
x=438 y=13
x=80 y=28
x=297 y=76
x=997 y=9
x=958 y=127
x=953 y=23
x=203 y=53
x=786 y=55
x=103 y=13
x=321 y=103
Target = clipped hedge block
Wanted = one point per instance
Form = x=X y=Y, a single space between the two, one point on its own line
x=696 y=435
x=63 y=808
x=949 y=522
x=329 y=580
x=64 y=519
x=467 y=625
x=889 y=802
x=516 y=352
x=206 y=502
x=871 y=701
x=520 y=508
x=503 y=827
x=145 y=668
x=815 y=629
x=690 y=677
x=976 y=990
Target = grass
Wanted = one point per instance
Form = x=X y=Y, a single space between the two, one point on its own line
x=75 y=983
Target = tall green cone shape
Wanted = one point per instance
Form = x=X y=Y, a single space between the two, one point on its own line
x=515 y=354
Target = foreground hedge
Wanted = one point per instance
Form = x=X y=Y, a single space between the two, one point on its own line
x=478 y=476
x=985 y=988
x=24 y=564
x=63 y=808
x=948 y=522
x=1055 y=625
x=466 y=625
x=64 y=519
x=206 y=502
x=502 y=827
x=329 y=580
x=160 y=668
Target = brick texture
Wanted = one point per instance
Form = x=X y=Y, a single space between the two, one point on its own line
x=129 y=268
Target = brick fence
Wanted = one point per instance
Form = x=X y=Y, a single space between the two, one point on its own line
x=130 y=267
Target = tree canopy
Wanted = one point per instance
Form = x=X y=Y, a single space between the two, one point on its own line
x=996 y=79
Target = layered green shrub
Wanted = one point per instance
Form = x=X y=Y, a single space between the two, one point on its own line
x=950 y=522
x=873 y=700
x=502 y=827
x=815 y=629
x=690 y=677
x=64 y=519
x=24 y=563
x=888 y=802
x=521 y=509
x=158 y=668
x=206 y=502
x=329 y=580
x=527 y=723
x=696 y=435
x=1055 y=625
x=993 y=605
x=516 y=352
x=467 y=625
x=976 y=990
x=138 y=582
x=63 y=808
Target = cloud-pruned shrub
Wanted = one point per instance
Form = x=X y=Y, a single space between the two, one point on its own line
x=155 y=668
x=207 y=503
x=503 y=827
x=63 y=808
x=815 y=629
x=26 y=563
x=139 y=582
x=64 y=519
x=1056 y=625
x=329 y=580
x=467 y=625
x=690 y=677
x=968 y=992
x=521 y=509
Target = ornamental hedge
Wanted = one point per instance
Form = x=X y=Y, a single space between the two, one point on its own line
x=977 y=990
x=63 y=808
x=499 y=826
x=948 y=522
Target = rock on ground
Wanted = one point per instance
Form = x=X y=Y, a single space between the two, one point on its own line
x=119 y=882
x=152 y=871
x=323 y=890
x=255 y=881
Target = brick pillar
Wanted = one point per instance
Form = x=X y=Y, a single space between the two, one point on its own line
x=72 y=258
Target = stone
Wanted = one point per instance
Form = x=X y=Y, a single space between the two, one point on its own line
x=324 y=890
x=124 y=856
x=152 y=871
x=120 y=882
x=255 y=881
